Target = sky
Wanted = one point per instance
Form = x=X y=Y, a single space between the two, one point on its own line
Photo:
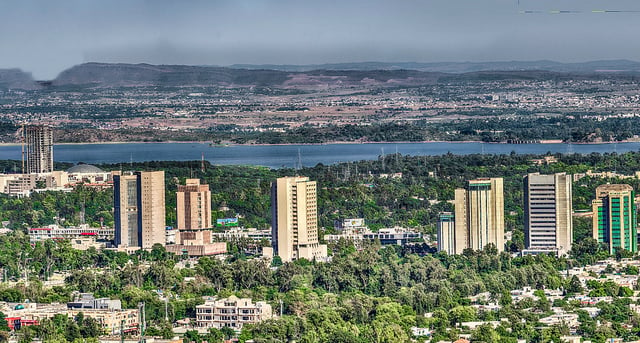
x=45 y=37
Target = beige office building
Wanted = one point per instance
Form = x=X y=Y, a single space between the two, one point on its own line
x=139 y=209
x=479 y=215
x=548 y=225
x=39 y=149
x=295 y=219
x=193 y=206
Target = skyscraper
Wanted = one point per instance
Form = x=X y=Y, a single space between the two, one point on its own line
x=548 y=225
x=479 y=215
x=139 y=209
x=193 y=206
x=614 y=217
x=294 y=221
x=39 y=140
x=446 y=232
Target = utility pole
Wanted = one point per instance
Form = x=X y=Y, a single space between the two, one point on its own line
x=166 y=312
x=202 y=163
x=143 y=321
x=397 y=167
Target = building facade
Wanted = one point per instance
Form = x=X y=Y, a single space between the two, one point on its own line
x=295 y=219
x=614 y=217
x=39 y=149
x=193 y=206
x=110 y=318
x=548 y=225
x=446 y=232
x=479 y=215
x=232 y=312
x=81 y=237
x=386 y=236
x=139 y=209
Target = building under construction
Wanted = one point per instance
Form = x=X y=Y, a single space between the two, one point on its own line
x=39 y=149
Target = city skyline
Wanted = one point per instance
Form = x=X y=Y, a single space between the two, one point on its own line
x=45 y=38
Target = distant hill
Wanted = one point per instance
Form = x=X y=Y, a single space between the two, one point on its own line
x=369 y=74
x=120 y=74
x=16 y=79
x=110 y=75
x=462 y=67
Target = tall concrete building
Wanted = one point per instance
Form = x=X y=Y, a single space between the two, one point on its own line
x=446 y=232
x=614 y=217
x=479 y=215
x=548 y=225
x=139 y=209
x=294 y=221
x=39 y=149
x=193 y=206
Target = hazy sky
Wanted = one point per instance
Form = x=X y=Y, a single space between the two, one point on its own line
x=45 y=36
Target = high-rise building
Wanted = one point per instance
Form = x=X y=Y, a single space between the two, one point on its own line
x=139 y=209
x=479 y=215
x=446 y=232
x=294 y=221
x=193 y=206
x=39 y=149
x=548 y=225
x=614 y=217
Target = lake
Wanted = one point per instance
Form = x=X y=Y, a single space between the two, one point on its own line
x=277 y=156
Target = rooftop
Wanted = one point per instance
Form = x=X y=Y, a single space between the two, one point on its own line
x=84 y=168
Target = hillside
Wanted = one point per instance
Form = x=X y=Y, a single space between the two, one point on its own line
x=16 y=79
x=117 y=75
x=462 y=67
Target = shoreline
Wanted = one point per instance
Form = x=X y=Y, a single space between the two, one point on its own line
x=227 y=145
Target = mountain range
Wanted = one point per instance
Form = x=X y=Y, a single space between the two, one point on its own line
x=322 y=75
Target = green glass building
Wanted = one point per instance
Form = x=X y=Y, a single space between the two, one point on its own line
x=614 y=217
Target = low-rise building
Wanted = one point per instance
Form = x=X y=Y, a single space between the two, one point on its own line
x=111 y=320
x=216 y=248
x=386 y=236
x=569 y=319
x=88 y=301
x=88 y=175
x=82 y=236
x=232 y=312
x=239 y=233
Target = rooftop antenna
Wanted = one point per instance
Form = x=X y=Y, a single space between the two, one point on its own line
x=202 y=163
